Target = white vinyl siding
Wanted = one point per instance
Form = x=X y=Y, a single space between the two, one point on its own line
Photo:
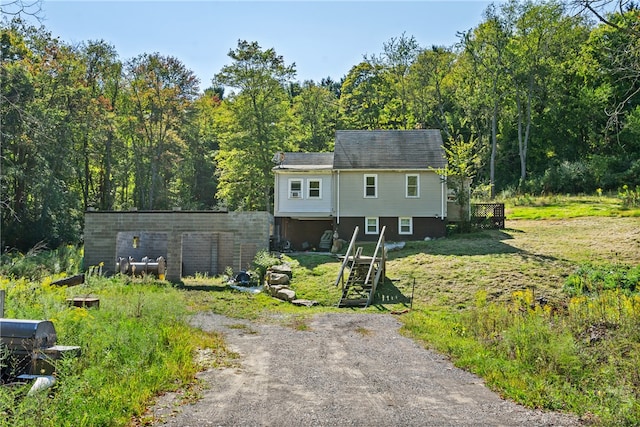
x=371 y=186
x=304 y=206
x=371 y=225
x=314 y=188
x=412 y=185
x=295 y=189
x=405 y=225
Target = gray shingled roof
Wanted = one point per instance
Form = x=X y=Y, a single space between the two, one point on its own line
x=389 y=149
x=306 y=161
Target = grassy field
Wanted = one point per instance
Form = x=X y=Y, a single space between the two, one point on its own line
x=529 y=254
x=563 y=207
x=510 y=305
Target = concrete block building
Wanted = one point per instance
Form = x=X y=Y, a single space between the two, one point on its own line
x=205 y=242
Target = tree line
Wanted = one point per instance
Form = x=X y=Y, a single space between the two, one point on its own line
x=547 y=99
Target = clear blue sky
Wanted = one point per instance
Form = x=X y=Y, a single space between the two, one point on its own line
x=323 y=38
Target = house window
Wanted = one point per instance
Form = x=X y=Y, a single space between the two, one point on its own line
x=314 y=187
x=371 y=186
x=295 y=188
x=371 y=225
x=405 y=225
x=412 y=185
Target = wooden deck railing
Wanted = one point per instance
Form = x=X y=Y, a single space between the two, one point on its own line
x=381 y=265
x=488 y=215
x=340 y=278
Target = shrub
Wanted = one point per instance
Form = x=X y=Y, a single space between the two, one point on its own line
x=263 y=261
x=568 y=177
x=39 y=262
x=589 y=279
x=630 y=197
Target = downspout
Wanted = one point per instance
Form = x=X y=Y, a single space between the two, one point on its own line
x=443 y=181
x=276 y=200
x=337 y=197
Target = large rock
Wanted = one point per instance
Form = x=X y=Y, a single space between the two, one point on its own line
x=304 y=302
x=273 y=289
x=278 y=279
x=282 y=269
x=286 y=294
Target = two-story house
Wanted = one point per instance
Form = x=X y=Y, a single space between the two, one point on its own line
x=372 y=179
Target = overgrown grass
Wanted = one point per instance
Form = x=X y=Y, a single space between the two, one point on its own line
x=135 y=346
x=40 y=262
x=590 y=279
x=581 y=358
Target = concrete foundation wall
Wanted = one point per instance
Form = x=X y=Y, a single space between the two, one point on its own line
x=202 y=240
x=422 y=227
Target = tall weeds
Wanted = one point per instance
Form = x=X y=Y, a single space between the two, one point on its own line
x=582 y=356
x=40 y=262
x=134 y=346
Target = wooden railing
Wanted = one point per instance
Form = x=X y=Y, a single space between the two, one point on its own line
x=488 y=215
x=379 y=246
x=347 y=255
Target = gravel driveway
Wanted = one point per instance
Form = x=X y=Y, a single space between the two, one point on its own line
x=345 y=369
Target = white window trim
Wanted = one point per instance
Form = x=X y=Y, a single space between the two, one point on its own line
x=291 y=192
x=366 y=225
x=375 y=187
x=309 y=181
x=406 y=186
x=410 y=225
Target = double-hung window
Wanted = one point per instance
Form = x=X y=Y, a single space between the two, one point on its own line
x=295 y=189
x=405 y=225
x=371 y=186
x=371 y=225
x=412 y=187
x=314 y=189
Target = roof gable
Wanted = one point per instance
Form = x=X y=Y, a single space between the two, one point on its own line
x=389 y=149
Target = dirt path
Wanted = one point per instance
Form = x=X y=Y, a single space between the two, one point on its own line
x=344 y=370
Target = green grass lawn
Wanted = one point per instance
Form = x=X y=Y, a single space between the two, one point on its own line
x=549 y=207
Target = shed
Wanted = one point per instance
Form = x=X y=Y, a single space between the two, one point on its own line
x=205 y=242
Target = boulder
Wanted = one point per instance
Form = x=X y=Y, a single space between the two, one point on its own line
x=304 y=302
x=277 y=279
x=286 y=294
x=273 y=289
x=282 y=269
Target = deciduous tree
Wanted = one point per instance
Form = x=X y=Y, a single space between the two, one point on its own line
x=161 y=90
x=254 y=126
x=315 y=112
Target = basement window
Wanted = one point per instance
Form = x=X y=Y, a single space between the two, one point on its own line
x=371 y=225
x=405 y=225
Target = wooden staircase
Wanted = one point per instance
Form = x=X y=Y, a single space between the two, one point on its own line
x=362 y=273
